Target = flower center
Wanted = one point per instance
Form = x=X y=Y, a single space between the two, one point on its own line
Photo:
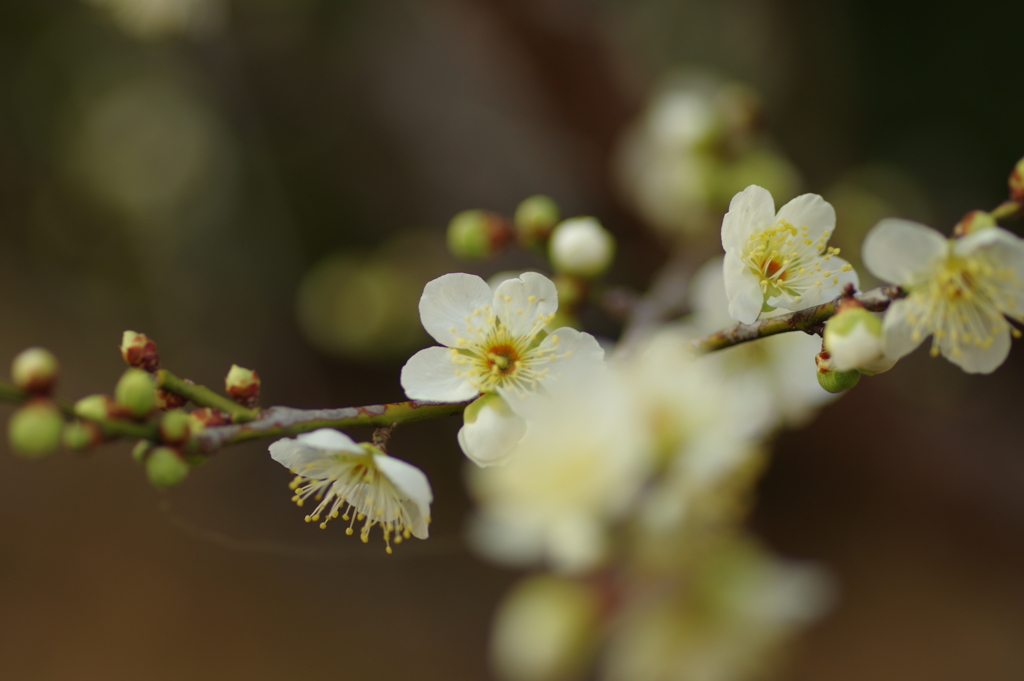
x=788 y=262
x=502 y=359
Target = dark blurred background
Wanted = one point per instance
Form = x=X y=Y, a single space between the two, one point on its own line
x=267 y=182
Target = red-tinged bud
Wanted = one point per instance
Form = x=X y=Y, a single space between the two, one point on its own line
x=206 y=417
x=243 y=386
x=139 y=351
x=35 y=371
x=974 y=221
x=474 y=234
x=1017 y=182
x=99 y=407
x=166 y=400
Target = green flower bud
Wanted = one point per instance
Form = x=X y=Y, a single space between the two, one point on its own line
x=1017 y=181
x=165 y=467
x=174 y=426
x=972 y=222
x=95 y=407
x=34 y=429
x=79 y=435
x=139 y=351
x=136 y=392
x=34 y=370
x=838 y=381
x=243 y=385
x=474 y=234
x=581 y=246
x=535 y=218
x=141 y=450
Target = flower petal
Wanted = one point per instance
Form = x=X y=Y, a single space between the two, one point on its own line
x=330 y=441
x=492 y=438
x=903 y=252
x=431 y=375
x=525 y=304
x=412 y=483
x=897 y=331
x=743 y=289
x=750 y=211
x=291 y=454
x=810 y=211
x=978 y=360
x=448 y=300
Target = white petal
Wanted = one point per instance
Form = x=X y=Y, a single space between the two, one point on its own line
x=492 y=438
x=750 y=211
x=330 y=441
x=525 y=304
x=811 y=211
x=858 y=348
x=983 y=238
x=571 y=345
x=902 y=252
x=431 y=375
x=412 y=483
x=977 y=360
x=897 y=331
x=743 y=289
x=291 y=454
x=448 y=300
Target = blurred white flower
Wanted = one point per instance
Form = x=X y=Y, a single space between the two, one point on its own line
x=579 y=468
x=495 y=340
x=780 y=260
x=958 y=291
x=728 y=622
x=359 y=482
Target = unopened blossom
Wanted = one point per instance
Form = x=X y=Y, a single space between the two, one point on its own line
x=495 y=341
x=853 y=339
x=780 y=260
x=958 y=291
x=491 y=431
x=357 y=482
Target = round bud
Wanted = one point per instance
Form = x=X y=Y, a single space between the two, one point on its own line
x=34 y=429
x=581 y=246
x=1017 y=181
x=174 y=426
x=853 y=338
x=139 y=351
x=34 y=370
x=79 y=434
x=136 y=392
x=95 y=407
x=243 y=386
x=474 y=234
x=165 y=468
x=535 y=218
x=141 y=450
x=838 y=381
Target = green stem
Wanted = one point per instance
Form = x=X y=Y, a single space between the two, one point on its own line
x=204 y=397
x=279 y=422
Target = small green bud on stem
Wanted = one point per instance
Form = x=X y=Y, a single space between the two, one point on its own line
x=165 y=467
x=475 y=234
x=34 y=429
x=81 y=434
x=139 y=351
x=35 y=371
x=141 y=450
x=972 y=222
x=175 y=426
x=535 y=217
x=832 y=380
x=98 y=408
x=136 y=392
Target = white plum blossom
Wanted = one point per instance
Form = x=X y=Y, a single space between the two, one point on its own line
x=958 y=291
x=581 y=246
x=579 y=467
x=780 y=260
x=358 y=482
x=495 y=341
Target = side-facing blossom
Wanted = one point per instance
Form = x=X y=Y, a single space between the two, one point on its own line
x=958 y=291
x=358 y=482
x=780 y=260
x=496 y=342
